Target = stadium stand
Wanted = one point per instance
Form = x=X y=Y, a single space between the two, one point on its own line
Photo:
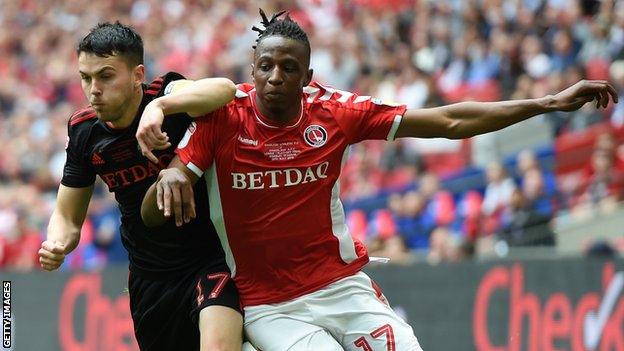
x=422 y=53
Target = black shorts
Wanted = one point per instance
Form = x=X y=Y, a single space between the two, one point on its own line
x=166 y=313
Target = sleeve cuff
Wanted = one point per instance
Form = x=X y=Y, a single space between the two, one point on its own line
x=394 y=127
x=195 y=169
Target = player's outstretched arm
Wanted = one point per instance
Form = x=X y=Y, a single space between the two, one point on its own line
x=195 y=98
x=171 y=194
x=64 y=227
x=467 y=119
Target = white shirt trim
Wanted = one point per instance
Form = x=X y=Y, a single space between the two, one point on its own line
x=195 y=169
x=395 y=126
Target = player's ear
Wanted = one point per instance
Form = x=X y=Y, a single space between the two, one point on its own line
x=138 y=75
x=252 y=73
x=308 y=77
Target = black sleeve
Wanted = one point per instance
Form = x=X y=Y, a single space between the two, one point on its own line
x=77 y=173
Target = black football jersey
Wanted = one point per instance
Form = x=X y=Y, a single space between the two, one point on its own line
x=94 y=148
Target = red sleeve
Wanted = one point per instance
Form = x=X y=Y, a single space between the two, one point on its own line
x=363 y=117
x=196 y=149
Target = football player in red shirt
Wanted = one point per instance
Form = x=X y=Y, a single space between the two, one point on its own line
x=272 y=160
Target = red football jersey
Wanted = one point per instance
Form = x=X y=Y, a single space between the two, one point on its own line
x=273 y=191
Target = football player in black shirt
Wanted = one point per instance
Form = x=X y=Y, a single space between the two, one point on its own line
x=181 y=294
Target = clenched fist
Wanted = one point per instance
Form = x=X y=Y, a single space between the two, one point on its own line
x=51 y=255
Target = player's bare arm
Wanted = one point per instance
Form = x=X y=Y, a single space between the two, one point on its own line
x=467 y=119
x=171 y=194
x=195 y=98
x=64 y=227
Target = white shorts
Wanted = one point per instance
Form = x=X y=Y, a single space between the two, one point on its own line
x=345 y=315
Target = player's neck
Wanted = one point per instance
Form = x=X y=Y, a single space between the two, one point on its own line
x=282 y=117
x=130 y=113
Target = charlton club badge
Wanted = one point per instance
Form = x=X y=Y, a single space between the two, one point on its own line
x=315 y=135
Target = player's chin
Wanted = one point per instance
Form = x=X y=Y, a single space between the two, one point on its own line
x=277 y=105
x=272 y=104
x=105 y=117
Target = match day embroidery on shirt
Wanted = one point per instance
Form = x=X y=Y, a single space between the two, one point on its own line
x=282 y=151
x=123 y=150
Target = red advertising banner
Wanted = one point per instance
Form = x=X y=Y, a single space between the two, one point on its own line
x=533 y=305
x=593 y=321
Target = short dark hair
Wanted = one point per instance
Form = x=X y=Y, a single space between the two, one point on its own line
x=282 y=27
x=108 y=39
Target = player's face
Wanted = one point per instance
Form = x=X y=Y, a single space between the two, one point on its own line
x=280 y=71
x=109 y=84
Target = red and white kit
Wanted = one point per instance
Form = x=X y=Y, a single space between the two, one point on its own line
x=273 y=190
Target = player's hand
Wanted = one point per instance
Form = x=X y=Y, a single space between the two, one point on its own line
x=574 y=97
x=51 y=255
x=149 y=134
x=174 y=195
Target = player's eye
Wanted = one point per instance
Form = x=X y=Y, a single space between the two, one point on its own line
x=264 y=67
x=85 y=79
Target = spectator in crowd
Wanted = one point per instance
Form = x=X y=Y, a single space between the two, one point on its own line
x=468 y=220
x=564 y=50
x=606 y=142
x=448 y=246
x=535 y=193
x=600 y=249
x=20 y=252
x=538 y=185
x=523 y=225
x=497 y=198
x=616 y=72
x=414 y=223
x=443 y=248
x=604 y=185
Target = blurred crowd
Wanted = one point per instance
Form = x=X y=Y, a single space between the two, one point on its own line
x=418 y=52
